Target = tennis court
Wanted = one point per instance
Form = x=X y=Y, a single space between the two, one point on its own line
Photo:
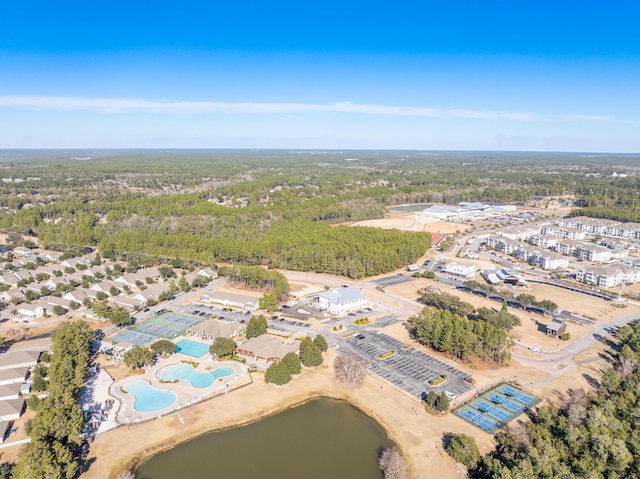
x=133 y=337
x=167 y=325
x=496 y=407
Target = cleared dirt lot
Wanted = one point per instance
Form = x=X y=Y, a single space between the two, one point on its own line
x=581 y=304
x=408 y=221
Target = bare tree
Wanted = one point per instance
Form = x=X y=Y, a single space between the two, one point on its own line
x=349 y=370
x=391 y=464
x=519 y=431
x=626 y=365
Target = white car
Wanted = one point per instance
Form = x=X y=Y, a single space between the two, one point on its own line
x=535 y=349
x=336 y=346
x=450 y=395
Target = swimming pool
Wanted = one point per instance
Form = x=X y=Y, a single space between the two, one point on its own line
x=185 y=372
x=191 y=348
x=147 y=398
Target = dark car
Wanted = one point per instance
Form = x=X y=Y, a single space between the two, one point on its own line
x=146 y=310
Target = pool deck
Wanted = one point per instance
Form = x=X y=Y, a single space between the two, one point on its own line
x=186 y=394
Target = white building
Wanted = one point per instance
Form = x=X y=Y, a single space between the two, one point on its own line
x=342 y=300
x=593 y=252
x=609 y=276
x=30 y=311
x=461 y=269
x=552 y=261
x=231 y=299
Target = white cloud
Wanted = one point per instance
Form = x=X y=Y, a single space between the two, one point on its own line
x=492 y=115
x=123 y=105
x=586 y=117
x=115 y=105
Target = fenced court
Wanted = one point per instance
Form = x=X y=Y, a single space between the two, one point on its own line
x=496 y=407
x=167 y=325
x=133 y=337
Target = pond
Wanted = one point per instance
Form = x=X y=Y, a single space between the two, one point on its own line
x=320 y=439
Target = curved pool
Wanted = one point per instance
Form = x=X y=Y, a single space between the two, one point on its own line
x=147 y=398
x=185 y=372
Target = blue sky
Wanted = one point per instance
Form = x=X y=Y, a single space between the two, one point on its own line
x=491 y=75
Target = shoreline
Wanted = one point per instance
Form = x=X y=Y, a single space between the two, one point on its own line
x=416 y=434
x=148 y=454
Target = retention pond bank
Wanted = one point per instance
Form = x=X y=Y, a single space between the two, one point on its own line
x=319 y=439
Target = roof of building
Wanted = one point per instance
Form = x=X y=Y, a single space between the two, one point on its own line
x=10 y=389
x=9 y=374
x=554 y=326
x=214 y=328
x=342 y=295
x=14 y=358
x=11 y=406
x=234 y=297
x=266 y=346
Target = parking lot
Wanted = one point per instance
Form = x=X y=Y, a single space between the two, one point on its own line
x=208 y=311
x=408 y=369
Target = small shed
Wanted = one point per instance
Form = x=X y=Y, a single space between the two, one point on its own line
x=556 y=328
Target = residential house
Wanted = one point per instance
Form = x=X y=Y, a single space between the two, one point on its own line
x=18 y=359
x=152 y=293
x=30 y=311
x=9 y=279
x=128 y=303
x=14 y=295
x=23 y=275
x=209 y=273
x=16 y=375
x=53 y=301
x=11 y=409
x=10 y=391
x=105 y=287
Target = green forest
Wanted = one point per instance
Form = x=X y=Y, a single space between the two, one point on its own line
x=284 y=209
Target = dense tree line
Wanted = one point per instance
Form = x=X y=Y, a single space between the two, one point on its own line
x=459 y=337
x=255 y=277
x=501 y=319
x=587 y=436
x=56 y=429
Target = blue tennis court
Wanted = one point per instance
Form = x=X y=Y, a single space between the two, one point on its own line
x=496 y=407
x=516 y=394
x=478 y=420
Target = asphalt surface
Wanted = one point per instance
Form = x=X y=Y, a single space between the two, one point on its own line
x=409 y=369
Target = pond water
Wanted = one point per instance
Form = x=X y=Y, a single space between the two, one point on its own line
x=321 y=439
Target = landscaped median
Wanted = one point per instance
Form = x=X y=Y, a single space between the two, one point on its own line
x=438 y=380
x=386 y=355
